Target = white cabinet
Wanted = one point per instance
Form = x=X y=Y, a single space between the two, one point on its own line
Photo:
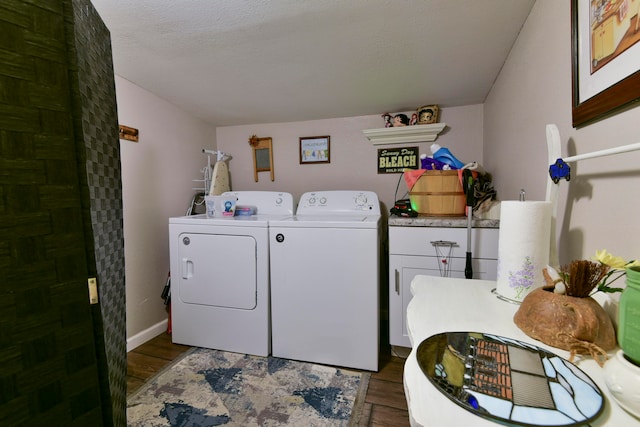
x=420 y=250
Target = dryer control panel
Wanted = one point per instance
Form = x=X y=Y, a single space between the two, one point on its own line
x=265 y=202
x=339 y=202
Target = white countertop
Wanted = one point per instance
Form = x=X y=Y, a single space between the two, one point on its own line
x=460 y=305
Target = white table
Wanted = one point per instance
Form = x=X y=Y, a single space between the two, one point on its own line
x=458 y=305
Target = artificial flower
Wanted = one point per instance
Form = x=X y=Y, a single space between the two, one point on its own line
x=254 y=140
x=617 y=265
x=616 y=262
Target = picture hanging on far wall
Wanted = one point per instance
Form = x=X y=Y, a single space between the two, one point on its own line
x=315 y=149
x=605 y=57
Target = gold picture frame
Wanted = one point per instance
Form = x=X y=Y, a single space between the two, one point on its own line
x=428 y=114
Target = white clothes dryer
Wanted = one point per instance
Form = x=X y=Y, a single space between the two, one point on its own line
x=325 y=280
x=220 y=275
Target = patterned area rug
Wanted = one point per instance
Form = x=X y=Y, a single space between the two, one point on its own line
x=215 y=388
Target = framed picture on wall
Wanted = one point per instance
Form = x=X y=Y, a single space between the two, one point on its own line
x=605 y=53
x=315 y=149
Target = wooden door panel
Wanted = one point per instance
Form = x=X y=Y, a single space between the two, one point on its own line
x=50 y=372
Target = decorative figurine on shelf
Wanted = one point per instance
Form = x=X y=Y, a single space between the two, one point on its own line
x=399 y=120
x=428 y=114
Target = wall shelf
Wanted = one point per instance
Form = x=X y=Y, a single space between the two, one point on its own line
x=405 y=134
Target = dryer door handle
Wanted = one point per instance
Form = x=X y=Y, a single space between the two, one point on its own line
x=187 y=268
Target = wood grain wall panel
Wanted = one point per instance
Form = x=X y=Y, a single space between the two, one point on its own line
x=98 y=123
x=18 y=118
x=52 y=147
x=48 y=361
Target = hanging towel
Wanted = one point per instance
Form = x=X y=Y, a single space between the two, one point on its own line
x=220 y=179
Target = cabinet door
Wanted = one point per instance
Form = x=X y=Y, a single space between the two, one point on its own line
x=402 y=270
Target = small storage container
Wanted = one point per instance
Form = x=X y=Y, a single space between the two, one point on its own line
x=220 y=206
x=438 y=193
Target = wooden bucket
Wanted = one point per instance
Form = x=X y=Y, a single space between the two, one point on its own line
x=438 y=193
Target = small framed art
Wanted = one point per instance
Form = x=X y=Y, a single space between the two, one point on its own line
x=315 y=149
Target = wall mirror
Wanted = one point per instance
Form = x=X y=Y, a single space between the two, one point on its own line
x=262 y=156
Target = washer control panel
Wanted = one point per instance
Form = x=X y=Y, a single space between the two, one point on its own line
x=320 y=202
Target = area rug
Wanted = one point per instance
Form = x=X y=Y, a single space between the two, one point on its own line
x=215 y=388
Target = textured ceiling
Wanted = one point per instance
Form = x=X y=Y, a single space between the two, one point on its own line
x=234 y=62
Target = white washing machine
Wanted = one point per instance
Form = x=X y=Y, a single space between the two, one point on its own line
x=220 y=276
x=325 y=279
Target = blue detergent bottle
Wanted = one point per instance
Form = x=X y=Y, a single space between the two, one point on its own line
x=443 y=155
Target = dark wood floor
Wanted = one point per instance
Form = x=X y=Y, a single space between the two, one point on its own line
x=385 y=402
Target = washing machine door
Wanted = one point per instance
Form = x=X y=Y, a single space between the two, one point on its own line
x=217 y=270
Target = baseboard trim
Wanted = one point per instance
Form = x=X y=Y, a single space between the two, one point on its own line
x=146 y=335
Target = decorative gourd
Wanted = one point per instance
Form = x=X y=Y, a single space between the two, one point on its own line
x=579 y=325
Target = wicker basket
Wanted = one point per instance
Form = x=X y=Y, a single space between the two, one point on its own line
x=438 y=193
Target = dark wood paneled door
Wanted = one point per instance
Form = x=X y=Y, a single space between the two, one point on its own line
x=48 y=365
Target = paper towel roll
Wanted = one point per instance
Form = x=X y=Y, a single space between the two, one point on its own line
x=523 y=247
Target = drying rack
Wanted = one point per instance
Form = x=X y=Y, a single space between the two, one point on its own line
x=559 y=169
x=207 y=172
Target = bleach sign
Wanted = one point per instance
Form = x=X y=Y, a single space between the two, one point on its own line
x=397 y=160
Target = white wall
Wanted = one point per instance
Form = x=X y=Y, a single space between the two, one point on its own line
x=156 y=185
x=354 y=159
x=157 y=174
x=597 y=209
